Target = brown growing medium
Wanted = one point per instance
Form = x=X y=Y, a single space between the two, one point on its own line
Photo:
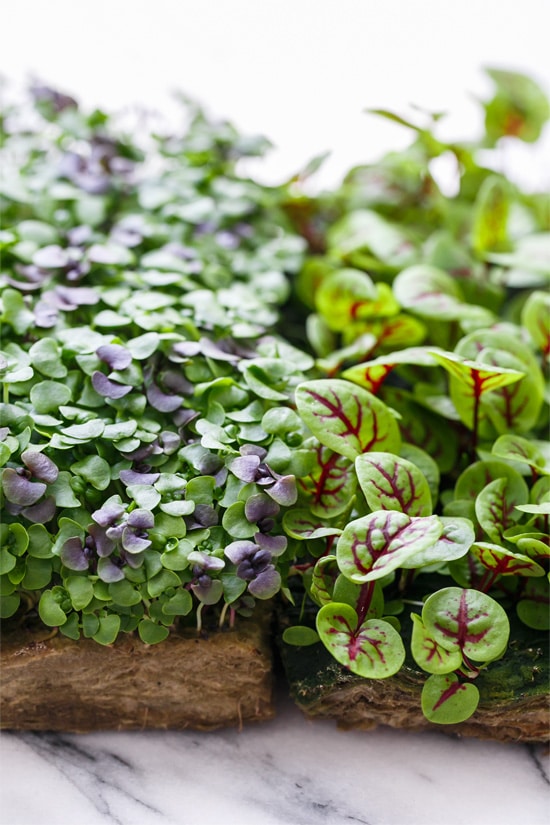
x=370 y=703
x=185 y=682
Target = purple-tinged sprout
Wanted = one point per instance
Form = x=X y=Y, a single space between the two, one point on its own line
x=116 y=356
x=51 y=257
x=266 y=584
x=58 y=100
x=143 y=451
x=42 y=467
x=78 y=235
x=209 y=464
x=108 y=571
x=187 y=349
x=75 y=555
x=126 y=236
x=254 y=566
x=41 y=512
x=33 y=278
x=19 y=489
x=162 y=402
x=203 y=565
x=184 y=417
x=276 y=545
x=142 y=519
x=134 y=536
x=186 y=253
x=133 y=560
x=45 y=316
x=109 y=514
x=245 y=467
x=104 y=545
x=4 y=431
x=227 y=240
x=107 y=388
x=169 y=441
x=175 y=381
x=115 y=532
x=261 y=510
x=139 y=475
x=284 y=491
x=203 y=516
x=76 y=296
x=253 y=449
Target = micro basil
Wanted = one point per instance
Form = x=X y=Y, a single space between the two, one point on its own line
x=428 y=416
x=147 y=450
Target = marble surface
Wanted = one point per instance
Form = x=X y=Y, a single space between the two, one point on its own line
x=286 y=772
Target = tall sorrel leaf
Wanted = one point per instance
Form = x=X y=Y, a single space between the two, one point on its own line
x=393 y=483
x=372 y=374
x=431 y=293
x=495 y=507
x=372 y=546
x=373 y=650
x=346 y=418
x=468 y=621
x=456 y=539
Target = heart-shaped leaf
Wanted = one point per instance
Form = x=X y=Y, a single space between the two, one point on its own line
x=456 y=539
x=300 y=524
x=428 y=654
x=503 y=562
x=468 y=621
x=496 y=506
x=372 y=546
x=372 y=374
x=446 y=701
x=346 y=418
x=393 y=483
x=331 y=484
x=373 y=650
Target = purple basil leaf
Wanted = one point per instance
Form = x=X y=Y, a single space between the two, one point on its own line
x=260 y=507
x=109 y=572
x=253 y=449
x=142 y=452
x=162 y=402
x=133 y=560
x=143 y=519
x=183 y=417
x=212 y=350
x=73 y=555
x=275 y=544
x=134 y=477
x=40 y=466
x=133 y=543
x=103 y=544
x=170 y=442
x=75 y=296
x=284 y=491
x=108 y=514
x=115 y=532
x=187 y=348
x=238 y=551
x=205 y=515
x=245 y=467
x=107 y=388
x=51 y=257
x=265 y=585
x=176 y=382
x=79 y=235
x=19 y=490
x=4 y=431
x=45 y=316
x=116 y=356
x=41 y=512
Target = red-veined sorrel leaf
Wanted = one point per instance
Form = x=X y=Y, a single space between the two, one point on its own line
x=345 y=296
x=392 y=483
x=300 y=524
x=490 y=216
x=346 y=418
x=432 y=293
x=534 y=607
x=331 y=485
x=496 y=507
x=456 y=539
x=322 y=580
x=478 y=475
x=513 y=407
x=373 y=650
x=446 y=701
x=535 y=316
x=519 y=107
x=425 y=463
x=430 y=656
x=467 y=620
x=374 y=545
x=399 y=331
x=503 y=562
x=534 y=545
x=371 y=374
x=516 y=448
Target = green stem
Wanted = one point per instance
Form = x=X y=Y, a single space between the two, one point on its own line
x=6 y=393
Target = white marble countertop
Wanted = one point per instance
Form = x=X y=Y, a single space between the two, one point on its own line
x=286 y=772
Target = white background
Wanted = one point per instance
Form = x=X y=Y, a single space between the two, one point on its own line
x=300 y=71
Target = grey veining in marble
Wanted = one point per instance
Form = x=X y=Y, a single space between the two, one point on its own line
x=286 y=772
